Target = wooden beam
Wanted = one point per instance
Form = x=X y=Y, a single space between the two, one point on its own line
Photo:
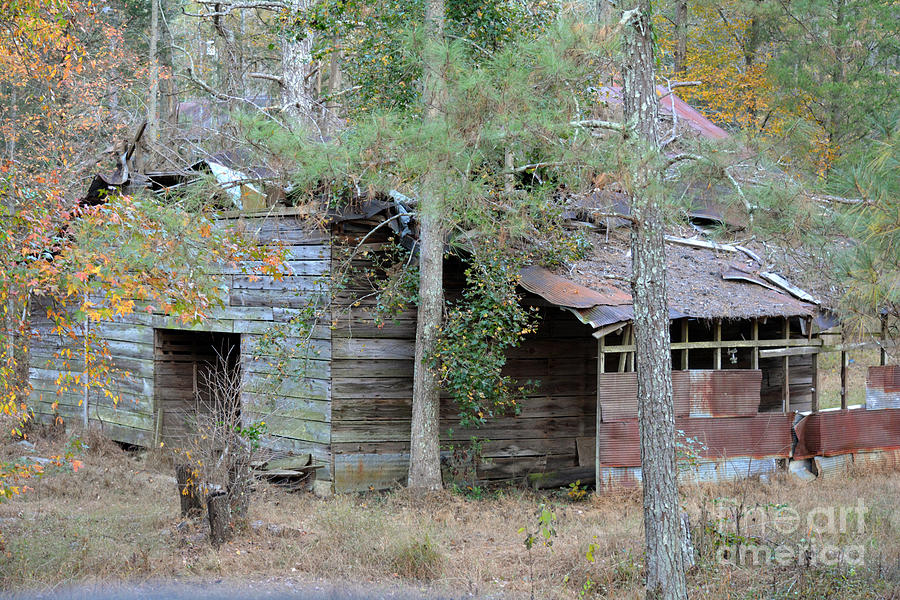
x=601 y=367
x=815 y=383
x=787 y=370
x=754 y=360
x=718 y=351
x=843 y=380
x=627 y=339
x=609 y=329
x=685 y=354
x=700 y=244
x=795 y=351
x=727 y=344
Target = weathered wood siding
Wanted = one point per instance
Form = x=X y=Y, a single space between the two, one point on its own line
x=297 y=412
x=130 y=419
x=372 y=373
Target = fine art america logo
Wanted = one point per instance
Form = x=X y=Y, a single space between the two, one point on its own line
x=780 y=535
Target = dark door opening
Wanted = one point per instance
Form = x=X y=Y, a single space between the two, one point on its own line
x=196 y=376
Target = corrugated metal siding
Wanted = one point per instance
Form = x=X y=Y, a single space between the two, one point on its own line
x=834 y=466
x=831 y=466
x=883 y=387
x=562 y=292
x=759 y=436
x=830 y=433
x=706 y=393
x=712 y=471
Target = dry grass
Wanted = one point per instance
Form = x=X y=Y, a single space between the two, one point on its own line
x=116 y=519
x=830 y=377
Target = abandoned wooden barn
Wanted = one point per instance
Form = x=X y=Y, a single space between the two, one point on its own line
x=338 y=388
x=746 y=347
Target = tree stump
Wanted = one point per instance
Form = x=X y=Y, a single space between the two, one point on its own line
x=219 y=511
x=191 y=503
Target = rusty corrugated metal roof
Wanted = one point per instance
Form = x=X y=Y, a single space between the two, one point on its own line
x=759 y=436
x=673 y=104
x=833 y=432
x=563 y=292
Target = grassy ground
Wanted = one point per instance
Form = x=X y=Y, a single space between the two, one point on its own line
x=116 y=520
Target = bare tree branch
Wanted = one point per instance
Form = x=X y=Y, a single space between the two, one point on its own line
x=598 y=124
x=274 y=78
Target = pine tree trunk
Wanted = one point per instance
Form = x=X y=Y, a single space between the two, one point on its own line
x=656 y=415
x=681 y=29
x=424 y=454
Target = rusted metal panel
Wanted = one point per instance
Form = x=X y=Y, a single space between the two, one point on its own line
x=562 y=292
x=834 y=466
x=598 y=316
x=670 y=103
x=759 y=436
x=829 y=433
x=723 y=393
x=698 y=393
x=883 y=387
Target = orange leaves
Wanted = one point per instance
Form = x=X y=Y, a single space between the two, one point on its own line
x=721 y=53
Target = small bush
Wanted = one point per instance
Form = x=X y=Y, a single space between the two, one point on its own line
x=414 y=559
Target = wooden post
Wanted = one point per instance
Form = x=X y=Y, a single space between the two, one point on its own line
x=815 y=383
x=884 y=332
x=718 y=357
x=786 y=403
x=601 y=368
x=219 y=517
x=627 y=340
x=157 y=437
x=843 y=377
x=754 y=360
x=685 y=360
x=191 y=505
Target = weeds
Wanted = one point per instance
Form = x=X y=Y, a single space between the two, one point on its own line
x=116 y=518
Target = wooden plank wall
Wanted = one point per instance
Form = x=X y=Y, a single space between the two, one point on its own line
x=131 y=344
x=372 y=371
x=298 y=412
x=296 y=408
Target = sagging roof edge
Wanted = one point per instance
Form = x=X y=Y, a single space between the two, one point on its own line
x=611 y=306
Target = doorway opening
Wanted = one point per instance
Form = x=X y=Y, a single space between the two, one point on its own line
x=196 y=376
